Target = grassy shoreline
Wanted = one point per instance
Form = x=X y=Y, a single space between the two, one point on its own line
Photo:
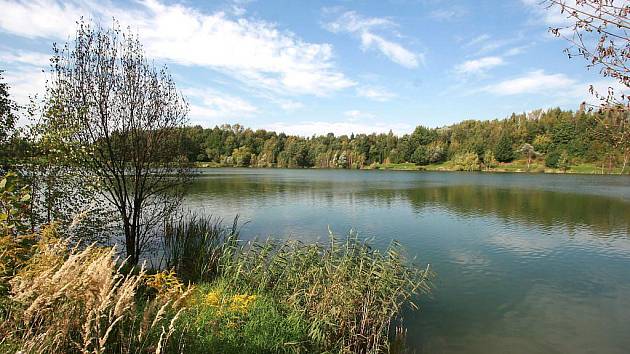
x=215 y=294
x=517 y=166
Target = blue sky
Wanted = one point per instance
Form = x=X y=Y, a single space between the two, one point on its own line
x=307 y=67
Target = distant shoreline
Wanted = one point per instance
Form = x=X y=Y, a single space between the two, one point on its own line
x=514 y=167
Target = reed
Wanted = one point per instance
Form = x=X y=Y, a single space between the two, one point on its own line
x=350 y=293
x=195 y=246
x=339 y=296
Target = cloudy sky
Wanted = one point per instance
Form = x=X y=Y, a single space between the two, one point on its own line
x=307 y=66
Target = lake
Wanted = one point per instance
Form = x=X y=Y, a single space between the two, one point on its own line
x=525 y=263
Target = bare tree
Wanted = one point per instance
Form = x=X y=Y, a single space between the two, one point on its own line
x=120 y=119
x=529 y=151
x=597 y=30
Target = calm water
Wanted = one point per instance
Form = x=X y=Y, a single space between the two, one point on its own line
x=525 y=263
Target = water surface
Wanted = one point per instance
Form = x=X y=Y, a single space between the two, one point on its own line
x=525 y=263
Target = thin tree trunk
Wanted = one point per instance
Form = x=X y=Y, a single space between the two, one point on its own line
x=529 y=161
x=625 y=161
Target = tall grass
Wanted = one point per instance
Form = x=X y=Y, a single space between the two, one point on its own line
x=195 y=246
x=350 y=293
x=71 y=300
x=339 y=296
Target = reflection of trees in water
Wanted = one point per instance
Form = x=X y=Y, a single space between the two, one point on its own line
x=545 y=208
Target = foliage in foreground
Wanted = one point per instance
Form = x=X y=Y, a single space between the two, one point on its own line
x=344 y=296
x=350 y=293
x=68 y=300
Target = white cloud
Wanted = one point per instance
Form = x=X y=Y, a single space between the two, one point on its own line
x=516 y=51
x=310 y=128
x=550 y=13
x=559 y=89
x=580 y=92
x=485 y=43
x=375 y=93
x=217 y=106
x=478 y=66
x=448 y=14
x=354 y=115
x=25 y=82
x=290 y=106
x=29 y=58
x=25 y=73
x=254 y=51
x=534 y=82
x=477 y=40
x=39 y=18
x=365 y=29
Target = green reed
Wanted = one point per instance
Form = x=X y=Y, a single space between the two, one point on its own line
x=349 y=295
x=194 y=246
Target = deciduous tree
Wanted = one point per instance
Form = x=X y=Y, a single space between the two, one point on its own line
x=121 y=118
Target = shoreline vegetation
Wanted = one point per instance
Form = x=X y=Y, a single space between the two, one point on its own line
x=217 y=294
x=517 y=166
x=550 y=141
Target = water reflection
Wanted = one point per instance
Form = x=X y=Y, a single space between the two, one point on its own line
x=573 y=208
x=526 y=263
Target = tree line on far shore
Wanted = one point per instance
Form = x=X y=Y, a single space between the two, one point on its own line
x=555 y=136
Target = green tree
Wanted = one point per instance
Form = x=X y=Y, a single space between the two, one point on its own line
x=242 y=156
x=420 y=156
x=468 y=161
x=564 y=162
x=552 y=158
x=529 y=152
x=121 y=120
x=503 y=151
x=8 y=120
x=542 y=143
x=489 y=160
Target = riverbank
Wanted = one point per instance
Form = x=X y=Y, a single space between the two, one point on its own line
x=517 y=166
x=216 y=294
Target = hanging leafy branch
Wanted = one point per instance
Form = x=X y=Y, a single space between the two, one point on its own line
x=597 y=30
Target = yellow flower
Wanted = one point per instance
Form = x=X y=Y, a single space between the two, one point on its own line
x=241 y=303
x=165 y=282
x=213 y=298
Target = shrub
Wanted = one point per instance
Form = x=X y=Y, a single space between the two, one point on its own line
x=15 y=197
x=489 y=160
x=222 y=319
x=552 y=158
x=468 y=161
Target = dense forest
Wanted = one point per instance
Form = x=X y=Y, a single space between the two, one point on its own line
x=559 y=138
